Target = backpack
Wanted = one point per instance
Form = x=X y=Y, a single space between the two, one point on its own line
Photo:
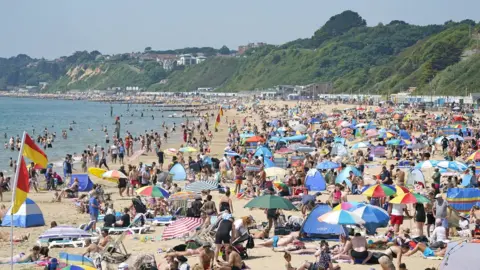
x=250 y=242
x=139 y=206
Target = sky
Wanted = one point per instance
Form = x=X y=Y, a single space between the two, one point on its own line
x=53 y=28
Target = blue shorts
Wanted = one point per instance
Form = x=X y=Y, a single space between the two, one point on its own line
x=445 y=223
x=428 y=252
x=94 y=217
x=275 y=239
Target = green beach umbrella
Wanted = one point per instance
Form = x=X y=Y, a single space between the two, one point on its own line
x=270 y=202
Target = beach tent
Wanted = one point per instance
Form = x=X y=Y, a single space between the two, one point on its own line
x=404 y=134
x=314 y=229
x=339 y=150
x=268 y=163
x=84 y=182
x=29 y=215
x=459 y=256
x=463 y=199
x=179 y=173
x=415 y=176
x=314 y=181
x=263 y=151
x=343 y=175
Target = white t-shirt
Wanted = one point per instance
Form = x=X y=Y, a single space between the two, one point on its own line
x=397 y=209
x=239 y=226
x=439 y=234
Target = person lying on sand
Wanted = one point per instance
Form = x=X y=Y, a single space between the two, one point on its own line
x=427 y=252
x=279 y=241
x=5 y=237
x=23 y=258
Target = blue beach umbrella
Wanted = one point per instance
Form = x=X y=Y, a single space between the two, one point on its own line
x=327 y=165
x=452 y=165
x=361 y=145
x=427 y=164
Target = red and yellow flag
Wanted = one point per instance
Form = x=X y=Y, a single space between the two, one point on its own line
x=221 y=111
x=34 y=153
x=20 y=191
x=217 y=122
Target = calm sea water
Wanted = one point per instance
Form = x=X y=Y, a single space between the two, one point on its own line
x=21 y=114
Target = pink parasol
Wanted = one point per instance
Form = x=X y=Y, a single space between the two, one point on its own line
x=181 y=227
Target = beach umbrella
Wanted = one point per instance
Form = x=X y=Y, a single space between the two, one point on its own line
x=295 y=146
x=341 y=217
x=280 y=185
x=307 y=149
x=270 y=202
x=275 y=171
x=171 y=151
x=153 y=191
x=378 y=191
x=181 y=227
x=426 y=164
x=78 y=267
x=343 y=123
x=200 y=186
x=371 y=133
x=349 y=206
x=98 y=172
x=183 y=195
x=64 y=232
x=327 y=165
x=409 y=198
x=284 y=151
x=398 y=142
x=475 y=156
x=299 y=127
x=372 y=214
x=187 y=149
x=361 y=145
x=452 y=165
x=399 y=190
x=454 y=137
x=255 y=139
x=230 y=153
x=114 y=174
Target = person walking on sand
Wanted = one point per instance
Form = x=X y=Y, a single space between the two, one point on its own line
x=103 y=159
x=33 y=177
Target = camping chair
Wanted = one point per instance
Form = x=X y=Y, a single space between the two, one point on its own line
x=115 y=251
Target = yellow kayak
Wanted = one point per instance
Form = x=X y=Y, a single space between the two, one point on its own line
x=98 y=172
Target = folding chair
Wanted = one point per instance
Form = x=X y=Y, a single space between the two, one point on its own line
x=115 y=251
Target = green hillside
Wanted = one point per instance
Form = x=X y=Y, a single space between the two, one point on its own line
x=211 y=73
x=356 y=58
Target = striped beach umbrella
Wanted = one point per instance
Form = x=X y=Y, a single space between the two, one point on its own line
x=401 y=190
x=372 y=214
x=452 y=165
x=181 y=227
x=64 y=232
x=341 y=217
x=410 y=198
x=427 y=164
x=114 y=174
x=378 y=191
x=171 y=151
x=349 y=206
x=200 y=186
x=153 y=191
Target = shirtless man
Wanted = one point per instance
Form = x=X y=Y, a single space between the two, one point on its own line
x=91 y=248
x=234 y=260
x=205 y=252
x=105 y=240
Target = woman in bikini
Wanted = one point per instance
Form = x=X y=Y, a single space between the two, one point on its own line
x=23 y=258
x=226 y=203
x=427 y=252
x=341 y=251
x=336 y=195
x=280 y=241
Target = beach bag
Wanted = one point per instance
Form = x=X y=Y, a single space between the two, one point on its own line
x=250 y=242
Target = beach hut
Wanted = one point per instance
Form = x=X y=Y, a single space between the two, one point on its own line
x=314 y=181
x=84 y=182
x=179 y=173
x=29 y=215
x=314 y=229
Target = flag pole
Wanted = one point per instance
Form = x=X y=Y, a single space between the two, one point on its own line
x=14 y=189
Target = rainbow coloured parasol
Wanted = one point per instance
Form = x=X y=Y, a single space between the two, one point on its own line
x=341 y=217
x=409 y=198
x=153 y=191
x=378 y=191
x=349 y=206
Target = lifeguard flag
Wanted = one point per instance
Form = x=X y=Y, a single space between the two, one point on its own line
x=22 y=187
x=34 y=153
x=221 y=111
x=217 y=122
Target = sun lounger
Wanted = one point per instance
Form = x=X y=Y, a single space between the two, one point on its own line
x=66 y=243
x=162 y=220
x=133 y=228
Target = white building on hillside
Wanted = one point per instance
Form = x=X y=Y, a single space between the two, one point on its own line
x=186 y=60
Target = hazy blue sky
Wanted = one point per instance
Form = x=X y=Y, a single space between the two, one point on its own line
x=52 y=28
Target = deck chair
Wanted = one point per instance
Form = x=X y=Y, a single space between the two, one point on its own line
x=207 y=234
x=115 y=251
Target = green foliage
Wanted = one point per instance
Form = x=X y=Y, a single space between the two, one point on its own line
x=337 y=26
x=224 y=50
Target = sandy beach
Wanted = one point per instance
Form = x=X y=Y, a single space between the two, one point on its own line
x=259 y=258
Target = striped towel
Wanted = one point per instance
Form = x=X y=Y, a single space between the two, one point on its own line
x=199 y=186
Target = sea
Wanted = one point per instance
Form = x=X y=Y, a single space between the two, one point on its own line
x=86 y=118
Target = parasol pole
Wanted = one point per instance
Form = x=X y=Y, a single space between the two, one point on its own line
x=14 y=189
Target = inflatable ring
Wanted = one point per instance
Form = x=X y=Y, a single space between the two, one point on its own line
x=346 y=132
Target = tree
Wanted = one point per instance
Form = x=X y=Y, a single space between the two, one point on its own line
x=338 y=25
x=148 y=49
x=224 y=50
